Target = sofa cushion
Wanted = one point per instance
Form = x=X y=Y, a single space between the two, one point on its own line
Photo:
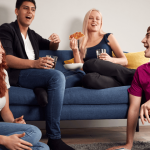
x=74 y=96
x=135 y=59
x=74 y=112
x=83 y=96
x=21 y=96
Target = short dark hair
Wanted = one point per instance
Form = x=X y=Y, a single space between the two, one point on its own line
x=148 y=29
x=19 y=3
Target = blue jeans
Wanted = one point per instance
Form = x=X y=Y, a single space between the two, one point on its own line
x=33 y=134
x=54 y=82
x=73 y=78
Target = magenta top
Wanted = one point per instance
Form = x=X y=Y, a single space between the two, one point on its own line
x=141 y=82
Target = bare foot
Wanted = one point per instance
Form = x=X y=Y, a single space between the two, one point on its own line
x=127 y=147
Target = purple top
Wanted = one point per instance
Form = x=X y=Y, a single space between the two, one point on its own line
x=141 y=82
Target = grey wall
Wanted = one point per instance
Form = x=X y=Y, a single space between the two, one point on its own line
x=126 y=19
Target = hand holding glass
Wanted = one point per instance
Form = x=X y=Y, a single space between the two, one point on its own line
x=55 y=60
x=99 y=51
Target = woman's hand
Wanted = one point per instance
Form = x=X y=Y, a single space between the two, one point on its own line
x=20 y=120
x=54 y=38
x=13 y=142
x=145 y=110
x=76 y=53
x=74 y=45
x=105 y=56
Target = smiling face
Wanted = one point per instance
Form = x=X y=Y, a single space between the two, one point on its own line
x=25 y=14
x=146 y=42
x=1 y=52
x=94 y=22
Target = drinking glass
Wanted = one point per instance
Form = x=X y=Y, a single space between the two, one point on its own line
x=99 y=51
x=55 y=60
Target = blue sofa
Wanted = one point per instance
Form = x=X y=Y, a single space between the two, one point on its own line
x=79 y=103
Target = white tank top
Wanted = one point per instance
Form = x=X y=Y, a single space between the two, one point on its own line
x=3 y=99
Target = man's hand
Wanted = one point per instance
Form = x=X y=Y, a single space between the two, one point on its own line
x=44 y=63
x=20 y=120
x=13 y=142
x=54 y=38
x=145 y=110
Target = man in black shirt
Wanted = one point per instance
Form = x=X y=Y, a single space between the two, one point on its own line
x=26 y=69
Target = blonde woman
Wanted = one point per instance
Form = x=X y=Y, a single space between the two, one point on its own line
x=105 y=71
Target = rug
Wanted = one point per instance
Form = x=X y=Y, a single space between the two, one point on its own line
x=103 y=146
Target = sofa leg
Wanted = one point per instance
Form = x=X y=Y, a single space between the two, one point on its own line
x=137 y=126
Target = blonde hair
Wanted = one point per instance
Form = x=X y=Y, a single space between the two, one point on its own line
x=84 y=40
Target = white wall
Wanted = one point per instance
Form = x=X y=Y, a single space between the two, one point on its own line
x=126 y=19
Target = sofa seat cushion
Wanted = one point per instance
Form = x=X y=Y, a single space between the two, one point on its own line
x=21 y=96
x=74 y=96
x=83 y=96
x=74 y=112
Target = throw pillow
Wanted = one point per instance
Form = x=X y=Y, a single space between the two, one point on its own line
x=135 y=59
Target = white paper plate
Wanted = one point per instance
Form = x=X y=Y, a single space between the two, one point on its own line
x=73 y=66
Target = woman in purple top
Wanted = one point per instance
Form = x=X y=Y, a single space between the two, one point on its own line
x=140 y=83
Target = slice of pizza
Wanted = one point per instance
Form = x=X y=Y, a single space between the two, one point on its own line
x=76 y=35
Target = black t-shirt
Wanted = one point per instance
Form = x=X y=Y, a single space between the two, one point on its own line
x=13 y=44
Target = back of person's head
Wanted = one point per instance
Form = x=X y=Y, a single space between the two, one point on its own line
x=19 y=3
x=84 y=40
x=148 y=29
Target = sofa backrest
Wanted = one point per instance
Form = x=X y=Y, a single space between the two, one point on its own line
x=62 y=56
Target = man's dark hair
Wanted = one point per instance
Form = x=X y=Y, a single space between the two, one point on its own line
x=148 y=29
x=19 y=3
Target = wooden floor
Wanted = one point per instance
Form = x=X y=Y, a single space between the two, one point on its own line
x=103 y=135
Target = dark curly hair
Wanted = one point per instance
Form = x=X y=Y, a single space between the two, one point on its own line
x=19 y=3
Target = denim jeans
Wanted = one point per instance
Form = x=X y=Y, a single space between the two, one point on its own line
x=54 y=81
x=73 y=78
x=32 y=134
